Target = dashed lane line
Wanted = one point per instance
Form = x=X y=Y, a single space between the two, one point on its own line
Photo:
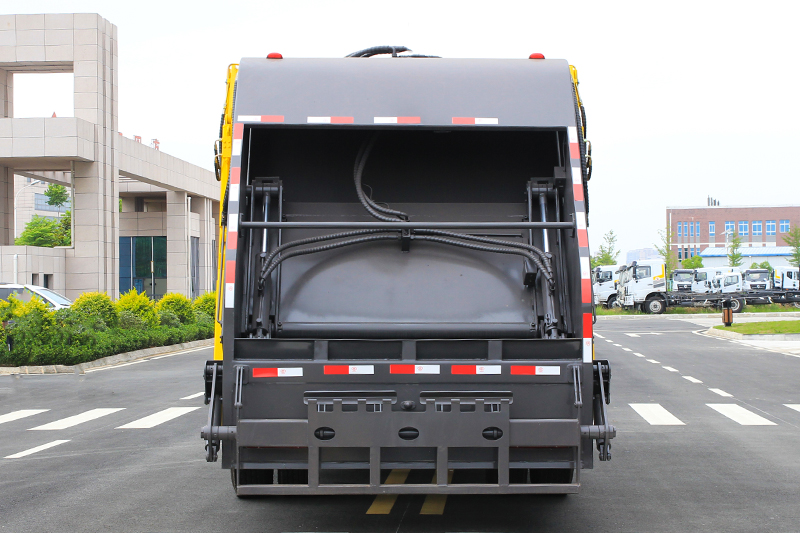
x=23 y=413
x=608 y=340
x=740 y=415
x=383 y=503
x=669 y=368
x=693 y=380
x=193 y=396
x=36 y=449
x=434 y=503
x=627 y=349
x=721 y=393
x=656 y=415
x=599 y=336
x=70 y=421
x=653 y=361
x=158 y=418
x=637 y=354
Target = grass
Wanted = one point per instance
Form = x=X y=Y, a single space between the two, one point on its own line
x=769 y=308
x=764 y=328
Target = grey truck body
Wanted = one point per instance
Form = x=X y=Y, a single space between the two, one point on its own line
x=406 y=351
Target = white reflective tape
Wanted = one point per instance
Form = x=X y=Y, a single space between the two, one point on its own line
x=426 y=369
x=362 y=369
x=233 y=224
x=233 y=193
x=581 y=220
x=385 y=120
x=236 y=147
x=486 y=121
x=319 y=120
x=548 y=370
x=249 y=118
x=577 y=178
x=488 y=369
x=290 y=372
x=229 y=296
x=572 y=132
x=587 y=350
x=586 y=269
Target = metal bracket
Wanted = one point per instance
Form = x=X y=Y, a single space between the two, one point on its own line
x=576 y=382
x=213 y=399
x=603 y=441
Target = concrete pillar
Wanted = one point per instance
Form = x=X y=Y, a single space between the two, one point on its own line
x=6 y=206
x=178 y=274
x=203 y=207
x=6 y=94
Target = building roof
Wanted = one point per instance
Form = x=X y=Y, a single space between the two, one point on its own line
x=749 y=251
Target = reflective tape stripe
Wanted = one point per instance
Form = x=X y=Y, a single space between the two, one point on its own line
x=577 y=178
x=475 y=369
x=587 y=325
x=535 y=370
x=397 y=120
x=586 y=291
x=330 y=120
x=235 y=175
x=238 y=131
x=572 y=133
x=260 y=118
x=230 y=271
x=475 y=120
x=588 y=351
x=345 y=369
x=574 y=151
x=277 y=372
x=414 y=369
x=228 y=294
x=583 y=235
x=577 y=192
x=586 y=272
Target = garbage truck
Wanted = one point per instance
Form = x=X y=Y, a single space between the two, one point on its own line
x=404 y=278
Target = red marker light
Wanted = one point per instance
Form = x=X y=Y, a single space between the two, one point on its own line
x=274 y=55
x=536 y=56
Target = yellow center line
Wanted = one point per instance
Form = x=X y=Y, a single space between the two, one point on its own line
x=383 y=503
x=434 y=503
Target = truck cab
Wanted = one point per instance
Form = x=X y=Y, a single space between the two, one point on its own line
x=605 y=280
x=727 y=282
x=682 y=280
x=786 y=278
x=756 y=279
x=645 y=286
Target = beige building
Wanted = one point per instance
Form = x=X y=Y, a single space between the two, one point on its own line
x=161 y=241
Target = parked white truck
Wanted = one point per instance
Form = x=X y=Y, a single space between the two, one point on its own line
x=786 y=278
x=756 y=279
x=605 y=279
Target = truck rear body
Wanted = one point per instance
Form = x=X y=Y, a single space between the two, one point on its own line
x=455 y=341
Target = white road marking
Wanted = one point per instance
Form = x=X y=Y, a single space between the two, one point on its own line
x=36 y=449
x=618 y=345
x=721 y=393
x=16 y=415
x=158 y=418
x=599 y=336
x=148 y=359
x=795 y=406
x=70 y=421
x=740 y=415
x=653 y=361
x=631 y=334
x=637 y=354
x=656 y=415
x=669 y=368
x=609 y=340
x=114 y=366
x=627 y=349
x=693 y=380
x=193 y=396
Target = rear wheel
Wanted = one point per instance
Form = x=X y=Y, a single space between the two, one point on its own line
x=655 y=305
x=612 y=301
x=737 y=305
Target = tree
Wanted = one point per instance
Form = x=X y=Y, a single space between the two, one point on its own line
x=57 y=195
x=792 y=240
x=41 y=231
x=664 y=249
x=762 y=265
x=734 y=253
x=606 y=253
x=692 y=262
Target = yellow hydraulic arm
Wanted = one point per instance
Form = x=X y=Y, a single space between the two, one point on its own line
x=222 y=167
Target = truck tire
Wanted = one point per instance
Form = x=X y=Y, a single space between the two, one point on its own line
x=611 y=302
x=655 y=305
x=737 y=305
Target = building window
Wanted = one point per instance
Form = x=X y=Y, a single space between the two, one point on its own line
x=711 y=229
x=680 y=229
x=691 y=250
x=686 y=253
x=697 y=229
x=770 y=227
x=729 y=227
x=680 y=254
x=40 y=204
x=691 y=229
x=784 y=226
x=744 y=227
x=756 y=227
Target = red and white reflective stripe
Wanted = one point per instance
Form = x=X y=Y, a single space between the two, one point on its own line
x=586 y=272
x=478 y=121
x=588 y=354
x=572 y=133
x=260 y=118
x=476 y=369
x=577 y=178
x=535 y=370
x=350 y=369
x=397 y=120
x=330 y=120
x=277 y=372
x=413 y=369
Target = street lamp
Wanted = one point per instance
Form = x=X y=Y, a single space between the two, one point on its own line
x=34 y=182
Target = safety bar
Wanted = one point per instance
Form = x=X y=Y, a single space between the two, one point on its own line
x=410 y=225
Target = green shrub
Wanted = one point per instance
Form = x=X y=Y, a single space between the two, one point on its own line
x=97 y=304
x=205 y=304
x=168 y=318
x=140 y=305
x=129 y=320
x=178 y=304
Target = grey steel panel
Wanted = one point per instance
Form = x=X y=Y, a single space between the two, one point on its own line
x=545 y=432
x=254 y=490
x=272 y=433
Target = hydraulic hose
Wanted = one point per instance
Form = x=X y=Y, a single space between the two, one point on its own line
x=372 y=208
x=378 y=50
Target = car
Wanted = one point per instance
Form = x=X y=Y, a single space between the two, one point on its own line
x=52 y=299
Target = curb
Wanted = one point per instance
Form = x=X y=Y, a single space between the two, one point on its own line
x=111 y=360
x=791 y=314
x=740 y=336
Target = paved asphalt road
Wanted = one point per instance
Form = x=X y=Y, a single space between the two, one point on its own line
x=727 y=459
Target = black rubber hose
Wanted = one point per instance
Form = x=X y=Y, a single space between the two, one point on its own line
x=488 y=240
x=310 y=240
x=331 y=246
x=378 y=50
x=494 y=249
x=373 y=209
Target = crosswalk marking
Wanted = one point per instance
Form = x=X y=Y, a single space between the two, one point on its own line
x=693 y=380
x=632 y=335
x=795 y=406
x=36 y=449
x=669 y=368
x=656 y=415
x=23 y=413
x=434 y=503
x=158 y=418
x=721 y=393
x=383 y=503
x=739 y=414
x=193 y=396
x=70 y=421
